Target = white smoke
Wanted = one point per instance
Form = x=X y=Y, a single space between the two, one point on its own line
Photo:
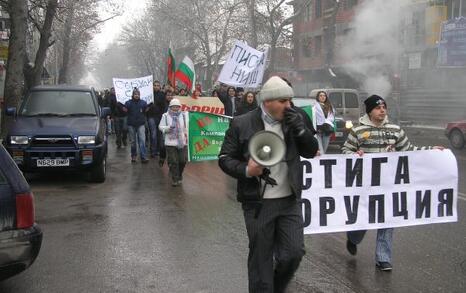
x=370 y=50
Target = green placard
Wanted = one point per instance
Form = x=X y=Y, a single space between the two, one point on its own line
x=206 y=134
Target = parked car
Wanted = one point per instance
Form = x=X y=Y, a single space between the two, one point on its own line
x=20 y=236
x=342 y=127
x=60 y=128
x=456 y=133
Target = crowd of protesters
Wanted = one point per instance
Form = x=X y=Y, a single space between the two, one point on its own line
x=158 y=130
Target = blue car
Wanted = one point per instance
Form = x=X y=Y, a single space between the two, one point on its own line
x=20 y=237
x=59 y=128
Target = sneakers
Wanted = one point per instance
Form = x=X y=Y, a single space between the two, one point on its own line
x=145 y=161
x=384 y=266
x=133 y=159
x=351 y=247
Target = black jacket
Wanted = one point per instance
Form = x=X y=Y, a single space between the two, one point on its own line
x=234 y=155
x=116 y=107
x=159 y=106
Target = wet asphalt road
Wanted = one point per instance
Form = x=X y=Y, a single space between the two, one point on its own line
x=137 y=233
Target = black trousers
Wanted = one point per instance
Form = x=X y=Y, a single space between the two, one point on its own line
x=275 y=235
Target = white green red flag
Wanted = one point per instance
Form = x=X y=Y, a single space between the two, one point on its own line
x=185 y=73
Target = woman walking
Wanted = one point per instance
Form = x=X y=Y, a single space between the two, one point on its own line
x=173 y=125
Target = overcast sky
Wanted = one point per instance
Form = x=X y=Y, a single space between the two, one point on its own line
x=112 y=28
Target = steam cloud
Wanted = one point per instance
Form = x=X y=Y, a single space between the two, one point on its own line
x=370 y=50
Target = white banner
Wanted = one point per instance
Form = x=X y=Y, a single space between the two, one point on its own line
x=351 y=192
x=124 y=88
x=244 y=66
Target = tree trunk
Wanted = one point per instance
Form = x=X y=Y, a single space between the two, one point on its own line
x=252 y=23
x=44 y=44
x=63 y=75
x=14 y=81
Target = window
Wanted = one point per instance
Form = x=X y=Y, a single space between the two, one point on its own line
x=307 y=47
x=318 y=45
x=318 y=8
x=336 y=99
x=456 y=8
x=349 y=4
x=308 y=12
x=351 y=100
x=60 y=103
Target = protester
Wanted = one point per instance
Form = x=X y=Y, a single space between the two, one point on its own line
x=198 y=87
x=163 y=153
x=248 y=103
x=175 y=129
x=154 y=114
x=325 y=119
x=182 y=92
x=376 y=134
x=273 y=216
x=119 y=119
x=214 y=93
x=196 y=94
x=229 y=100
x=136 y=109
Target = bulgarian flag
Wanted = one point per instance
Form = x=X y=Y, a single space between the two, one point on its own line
x=171 y=68
x=185 y=73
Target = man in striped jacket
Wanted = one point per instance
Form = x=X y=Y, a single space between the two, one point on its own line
x=376 y=135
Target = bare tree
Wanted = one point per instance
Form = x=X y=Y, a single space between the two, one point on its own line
x=14 y=81
x=44 y=27
x=207 y=24
x=80 y=21
x=273 y=15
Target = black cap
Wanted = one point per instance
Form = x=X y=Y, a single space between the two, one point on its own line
x=373 y=101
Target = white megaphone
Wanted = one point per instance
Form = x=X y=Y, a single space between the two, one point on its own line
x=267 y=148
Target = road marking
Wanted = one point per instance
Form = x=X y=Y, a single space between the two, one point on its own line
x=462 y=196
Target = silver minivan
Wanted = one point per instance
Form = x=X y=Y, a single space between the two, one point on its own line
x=346 y=102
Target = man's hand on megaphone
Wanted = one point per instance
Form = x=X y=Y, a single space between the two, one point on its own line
x=254 y=169
x=294 y=121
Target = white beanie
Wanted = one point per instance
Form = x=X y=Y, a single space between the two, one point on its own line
x=275 y=88
x=174 y=102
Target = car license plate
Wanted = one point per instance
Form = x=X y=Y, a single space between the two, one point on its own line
x=339 y=134
x=53 y=162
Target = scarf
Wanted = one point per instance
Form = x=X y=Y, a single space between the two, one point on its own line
x=176 y=133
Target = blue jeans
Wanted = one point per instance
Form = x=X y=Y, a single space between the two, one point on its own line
x=140 y=132
x=323 y=141
x=153 y=125
x=383 y=248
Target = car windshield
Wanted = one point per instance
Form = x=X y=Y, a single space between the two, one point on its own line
x=59 y=104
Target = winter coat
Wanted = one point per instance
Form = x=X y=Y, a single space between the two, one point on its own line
x=234 y=154
x=166 y=128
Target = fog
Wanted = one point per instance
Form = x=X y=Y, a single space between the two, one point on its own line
x=373 y=43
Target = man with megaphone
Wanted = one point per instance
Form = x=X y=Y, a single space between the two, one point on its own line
x=262 y=150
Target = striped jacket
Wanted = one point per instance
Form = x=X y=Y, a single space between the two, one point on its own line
x=372 y=139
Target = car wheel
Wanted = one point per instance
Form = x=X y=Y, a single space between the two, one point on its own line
x=98 y=173
x=456 y=139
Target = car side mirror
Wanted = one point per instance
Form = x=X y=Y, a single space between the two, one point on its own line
x=10 y=111
x=104 y=112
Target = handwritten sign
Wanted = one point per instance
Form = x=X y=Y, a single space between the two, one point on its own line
x=124 y=88
x=244 y=66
